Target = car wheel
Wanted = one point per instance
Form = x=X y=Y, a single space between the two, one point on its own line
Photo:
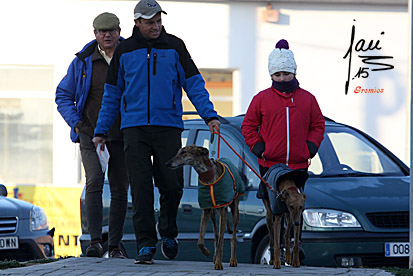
x=106 y=252
x=263 y=254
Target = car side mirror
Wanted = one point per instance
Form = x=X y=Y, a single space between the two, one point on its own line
x=3 y=190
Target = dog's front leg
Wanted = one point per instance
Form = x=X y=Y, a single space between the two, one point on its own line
x=223 y=212
x=296 y=253
x=269 y=221
x=276 y=249
x=235 y=220
x=287 y=239
x=214 y=228
x=206 y=214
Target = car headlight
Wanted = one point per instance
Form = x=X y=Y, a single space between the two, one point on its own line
x=327 y=218
x=38 y=219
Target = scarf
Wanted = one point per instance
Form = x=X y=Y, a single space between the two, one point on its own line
x=286 y=86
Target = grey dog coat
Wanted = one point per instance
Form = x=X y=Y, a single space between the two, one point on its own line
x=224 y=190
x=274 y=176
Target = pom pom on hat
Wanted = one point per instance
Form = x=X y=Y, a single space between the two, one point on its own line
x=281 y=59
x=282 y=44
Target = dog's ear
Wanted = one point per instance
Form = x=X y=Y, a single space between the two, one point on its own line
x=205 y=151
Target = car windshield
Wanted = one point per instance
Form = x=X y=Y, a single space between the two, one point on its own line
x=345 y=152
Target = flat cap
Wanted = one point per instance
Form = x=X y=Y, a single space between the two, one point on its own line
x=106 y=21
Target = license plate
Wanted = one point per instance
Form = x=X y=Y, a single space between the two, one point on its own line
x=9 y=243
x=397 y=249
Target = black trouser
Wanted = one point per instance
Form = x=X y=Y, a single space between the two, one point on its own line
x=147 y=149
x=118 y=182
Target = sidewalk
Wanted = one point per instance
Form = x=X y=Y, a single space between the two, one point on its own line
x=121 y=267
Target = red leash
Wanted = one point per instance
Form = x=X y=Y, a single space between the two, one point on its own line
x=245 y=162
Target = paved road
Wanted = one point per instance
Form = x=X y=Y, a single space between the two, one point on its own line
x=108 y=267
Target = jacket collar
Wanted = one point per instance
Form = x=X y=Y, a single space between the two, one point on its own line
x=285 y=95
x=89 y=49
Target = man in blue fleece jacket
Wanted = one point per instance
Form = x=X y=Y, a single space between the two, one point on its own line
x=144 y=83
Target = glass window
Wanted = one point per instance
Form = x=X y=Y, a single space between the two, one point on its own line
x=219 y=84
x=26 y=140
x=345 y=151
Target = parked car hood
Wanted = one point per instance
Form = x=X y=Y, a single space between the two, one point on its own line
x=359 y=195
x=15 y=207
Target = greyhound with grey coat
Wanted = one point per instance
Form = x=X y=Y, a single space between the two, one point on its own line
x=219 y=187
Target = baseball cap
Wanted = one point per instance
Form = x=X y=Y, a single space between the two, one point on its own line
x=106 y=21
x=147 y=9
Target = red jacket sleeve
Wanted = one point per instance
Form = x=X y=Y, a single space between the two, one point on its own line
x=317 y=124
x=252 y=121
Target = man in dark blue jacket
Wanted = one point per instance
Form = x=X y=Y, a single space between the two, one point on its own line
x=145 y=82
x=78 y=98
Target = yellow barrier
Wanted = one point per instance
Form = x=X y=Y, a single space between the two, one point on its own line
x=62 y=207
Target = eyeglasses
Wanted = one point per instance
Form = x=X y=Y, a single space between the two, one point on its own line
x=111 y=32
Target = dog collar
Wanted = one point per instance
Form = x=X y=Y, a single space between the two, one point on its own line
x=294 y=189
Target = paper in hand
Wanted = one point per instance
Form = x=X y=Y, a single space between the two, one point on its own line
x=103 y=156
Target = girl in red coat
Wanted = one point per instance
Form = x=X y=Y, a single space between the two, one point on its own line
x=284 y=123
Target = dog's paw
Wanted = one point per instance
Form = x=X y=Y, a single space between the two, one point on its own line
x=277 y=264
x=271 y=262
x=296 y=262
x=218 y=266
x=233 y=262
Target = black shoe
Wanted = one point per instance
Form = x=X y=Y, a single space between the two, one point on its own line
x=145 y=255
x=169 y=248
x=117 y=254
x=94 y=249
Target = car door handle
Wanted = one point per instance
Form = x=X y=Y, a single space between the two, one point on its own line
x=186 y=209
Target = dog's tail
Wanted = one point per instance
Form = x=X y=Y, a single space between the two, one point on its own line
x=204 y=250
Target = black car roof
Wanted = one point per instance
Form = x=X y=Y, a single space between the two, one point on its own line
x=237 y=120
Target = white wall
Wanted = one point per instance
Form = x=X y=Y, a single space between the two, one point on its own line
x=235 y=36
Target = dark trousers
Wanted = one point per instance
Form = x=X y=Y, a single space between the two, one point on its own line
x=118 y=182
x=147 y=149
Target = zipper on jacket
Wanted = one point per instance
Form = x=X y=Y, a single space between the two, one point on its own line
x=149 y=85
x=124 y=103
x=154 y=63
x=288 y=135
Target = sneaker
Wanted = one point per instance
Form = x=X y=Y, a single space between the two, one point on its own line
x=117 y=254
x=169 y=248
x=94 y=249
x=145 y=255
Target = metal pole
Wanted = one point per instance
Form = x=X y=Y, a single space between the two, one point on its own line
x=411 y=134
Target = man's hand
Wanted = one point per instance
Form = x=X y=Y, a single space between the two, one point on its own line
x=214 y=124
x=99 y=140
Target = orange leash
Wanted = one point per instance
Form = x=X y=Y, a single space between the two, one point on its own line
x=245 y=162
